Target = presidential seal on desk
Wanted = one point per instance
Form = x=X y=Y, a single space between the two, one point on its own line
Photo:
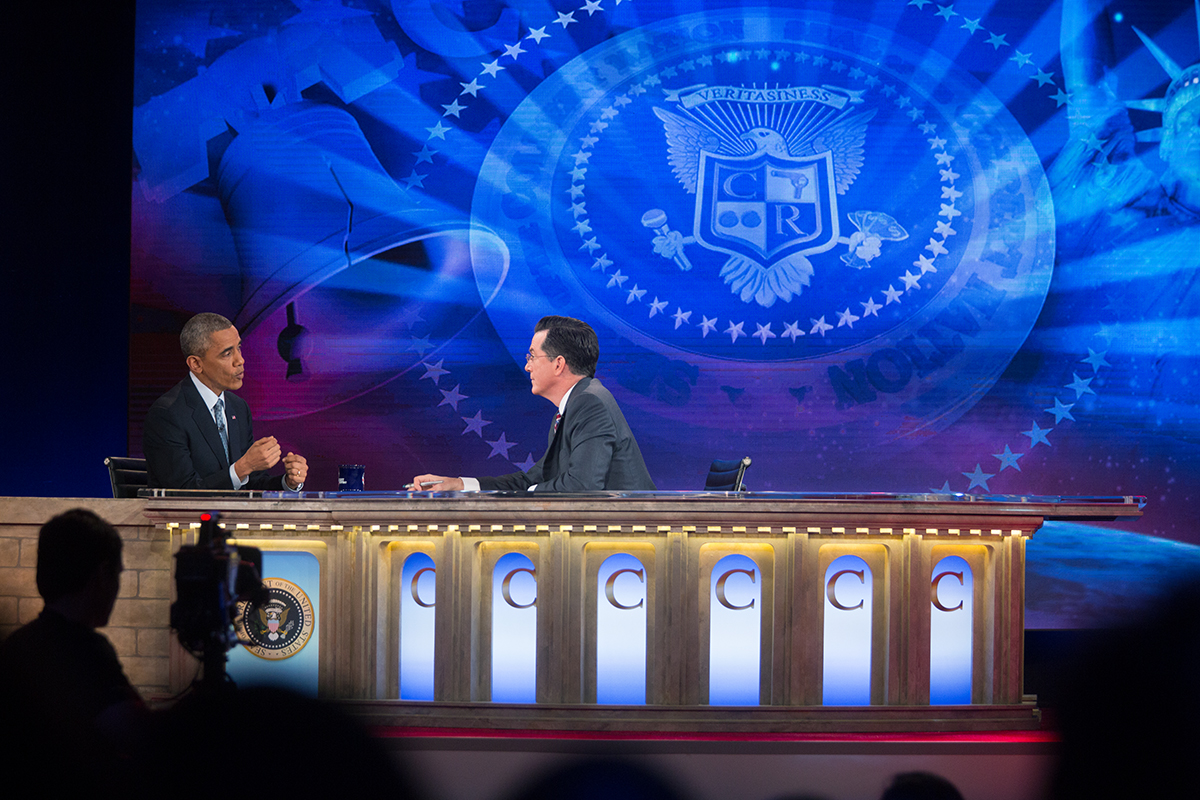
x=280 y=627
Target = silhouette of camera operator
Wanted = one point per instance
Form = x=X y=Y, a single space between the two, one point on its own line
x=67 y=703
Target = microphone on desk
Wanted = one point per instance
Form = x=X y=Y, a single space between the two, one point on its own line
x=423 y=484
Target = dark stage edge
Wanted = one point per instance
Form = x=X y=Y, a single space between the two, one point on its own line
x=660 y=723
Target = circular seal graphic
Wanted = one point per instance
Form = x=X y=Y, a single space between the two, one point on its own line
x=806 y=222
x=280 y=627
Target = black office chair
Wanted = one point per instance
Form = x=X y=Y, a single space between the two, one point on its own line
x=127 y=475
x=726 y=475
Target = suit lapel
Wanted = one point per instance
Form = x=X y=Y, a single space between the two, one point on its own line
x=558 y=437
x=204 y=422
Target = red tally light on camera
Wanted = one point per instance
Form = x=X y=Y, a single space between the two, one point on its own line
x=205 y=517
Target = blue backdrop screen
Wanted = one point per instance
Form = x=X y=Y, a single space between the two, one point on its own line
x=887 y=245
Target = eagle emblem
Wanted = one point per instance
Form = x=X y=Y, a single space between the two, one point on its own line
x=766 y=168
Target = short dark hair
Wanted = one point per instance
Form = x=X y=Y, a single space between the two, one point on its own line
x=572 y=339
x=197 y=332
x=71 y=547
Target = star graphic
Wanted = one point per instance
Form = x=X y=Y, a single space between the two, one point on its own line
x=1022 y=59
x=910 y=281
x=414 y=179
x=501 y=446
x=591 y=245
x=946 y=12
x=944 y=230
x=707 y=325
x=1044 y=77
x=943 y=158
x=735 y=331
x=791 y=330
x=582 y=157
x=948 y=175
x=439 y=131
x=927 y=128
x=1094 y=142
x=409 y=317
x=425 y=155
x=949 y=211
x=1060 y=98
x=592 y=6
x=1096 y=359
x=602 y=262
x=945 y=488
x=950 y=193
x=1008 y=459
x=997 y=39
x=936 y=247
x=419 y=346
x=937 y=143
x=452 y=397
x=476 y=423
x=537 y=34
x=978 y=478
x=1080 y=385
x=616 y=279
x=764 y=332
x=453 y=108
x=579 y=209
x=656 y=306
x=1060 y=410
x=892 y=294
x=493 y=68
x=588 y=141
x=566 y=19
x=576 y=190
x=919 y=3
x=634 y=294
x=925 y=263
x=1037 y=435
x=870 y=308
x=513 y=50
x=527 y=464
x=578 y=173
x=434 y=371
x=820 y=325
x=471 y=88
x=582 y=227
x=972 y=24
x=846 y=318
x=681 y=317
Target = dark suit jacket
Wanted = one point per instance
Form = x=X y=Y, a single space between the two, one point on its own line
x=592 y=450
x=183 y=449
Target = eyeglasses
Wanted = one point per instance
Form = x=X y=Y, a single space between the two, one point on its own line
x=529 y=357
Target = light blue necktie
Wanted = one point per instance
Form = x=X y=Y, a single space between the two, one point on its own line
x=219 y=413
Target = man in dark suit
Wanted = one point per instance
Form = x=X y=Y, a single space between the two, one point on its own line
x=199 y=435
x=591 y=447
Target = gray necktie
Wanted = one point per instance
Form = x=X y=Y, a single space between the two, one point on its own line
x=219 y=413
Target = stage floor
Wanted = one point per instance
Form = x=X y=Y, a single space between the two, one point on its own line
x=483 y=765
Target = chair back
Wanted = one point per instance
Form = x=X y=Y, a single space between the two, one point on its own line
x=127 y=475
x=725 y=475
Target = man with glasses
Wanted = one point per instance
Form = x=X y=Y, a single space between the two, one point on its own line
x=591 y=446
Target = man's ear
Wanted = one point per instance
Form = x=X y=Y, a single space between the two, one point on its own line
x=194 y=364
